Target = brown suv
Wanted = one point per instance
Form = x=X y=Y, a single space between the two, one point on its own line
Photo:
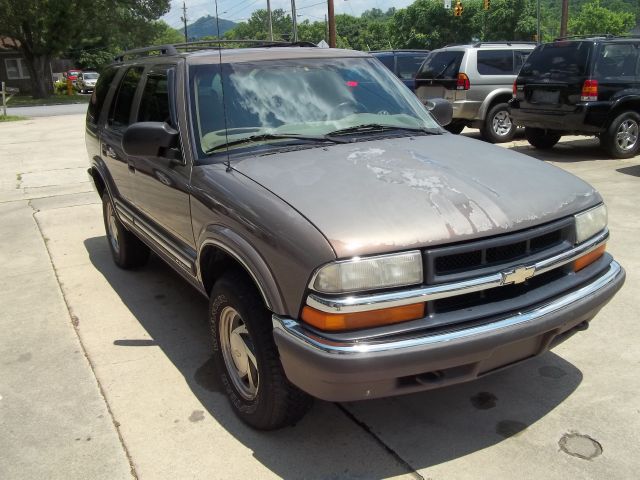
x=350 y=247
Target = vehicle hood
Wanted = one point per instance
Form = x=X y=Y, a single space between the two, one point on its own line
x=398 y=194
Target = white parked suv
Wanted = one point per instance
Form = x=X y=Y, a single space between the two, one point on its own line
x=86 y=81
x=478 y=80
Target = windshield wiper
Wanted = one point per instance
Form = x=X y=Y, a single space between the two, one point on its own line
x=377 y=127
x=275 y=136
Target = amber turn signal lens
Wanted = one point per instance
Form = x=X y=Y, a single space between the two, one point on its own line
x=352 y=321
x=589 y=258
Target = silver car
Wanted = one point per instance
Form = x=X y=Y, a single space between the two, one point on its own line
x=478 y=80
x=87 y=81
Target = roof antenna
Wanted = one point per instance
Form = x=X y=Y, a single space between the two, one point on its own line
x=224 y=103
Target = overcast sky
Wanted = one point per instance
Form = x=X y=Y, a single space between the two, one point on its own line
x=239 y=10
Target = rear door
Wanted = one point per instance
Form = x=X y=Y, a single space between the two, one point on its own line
x=438 y=75
x=494 y=70
x=118 y=119
x=552 y=76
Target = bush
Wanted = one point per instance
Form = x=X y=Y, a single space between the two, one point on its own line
x=60 y=87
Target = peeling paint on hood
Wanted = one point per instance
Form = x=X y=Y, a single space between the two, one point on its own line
x=389 y=195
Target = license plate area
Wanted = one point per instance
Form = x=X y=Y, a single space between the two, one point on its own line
x=545 y=97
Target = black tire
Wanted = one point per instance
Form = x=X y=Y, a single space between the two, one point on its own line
x=622 y=138
x=541 y=138
x=498 y=127
x=454 y=127
x=273 y=402
x=127 y=250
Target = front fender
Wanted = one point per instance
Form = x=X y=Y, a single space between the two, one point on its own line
x=240 y=249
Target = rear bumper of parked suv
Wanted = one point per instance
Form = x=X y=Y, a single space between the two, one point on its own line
x=356 y=370
x=588 y=117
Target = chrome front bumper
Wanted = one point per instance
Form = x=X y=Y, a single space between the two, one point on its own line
x=352 y=370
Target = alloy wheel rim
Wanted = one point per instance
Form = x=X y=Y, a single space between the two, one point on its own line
x=627 y=135
x=113 y=228
x=501 y=123
x=238 y=353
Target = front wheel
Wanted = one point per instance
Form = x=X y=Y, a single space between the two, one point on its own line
x=621 y=138
x=498 y=127
x=127 y=250
x=247 y=358
x=541 y=138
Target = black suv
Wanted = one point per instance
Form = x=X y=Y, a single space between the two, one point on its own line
x=584 y=86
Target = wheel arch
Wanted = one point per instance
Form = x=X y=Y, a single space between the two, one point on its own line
x=621 y=105
x=98 y=180
x=221 y=249
x=499 y=95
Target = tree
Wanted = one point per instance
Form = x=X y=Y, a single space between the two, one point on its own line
x=46 y=29
x=594 y=18
x=257 y=27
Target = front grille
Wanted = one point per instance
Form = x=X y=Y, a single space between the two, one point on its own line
x=472 y=259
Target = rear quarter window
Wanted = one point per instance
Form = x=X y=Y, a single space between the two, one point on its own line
x=495 y=62
x=617 y=60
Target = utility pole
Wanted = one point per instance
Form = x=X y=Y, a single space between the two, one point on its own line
x=184 y=20
x=270 y=20
x=565 y=18
x=332 y=24
x=326 y=29
x=538 y=39
x=295 y=20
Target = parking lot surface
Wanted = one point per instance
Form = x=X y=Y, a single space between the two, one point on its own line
x=106 y=373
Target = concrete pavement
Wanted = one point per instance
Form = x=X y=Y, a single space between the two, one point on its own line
x=154 y=399
x=49 y=110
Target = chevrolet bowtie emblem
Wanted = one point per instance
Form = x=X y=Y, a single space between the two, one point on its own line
x=517 y=275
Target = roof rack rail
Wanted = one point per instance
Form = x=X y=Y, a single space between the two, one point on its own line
x=591 y=35
x=504 y=42
x=174 y=49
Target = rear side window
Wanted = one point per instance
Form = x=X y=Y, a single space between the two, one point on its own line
x=558 y=60
x=408 y=65
x=444 y=64
x=100 y=94
x=519 y=57
x=617 y=60
x=121 y=108
x=154 y=104
x=495 y=62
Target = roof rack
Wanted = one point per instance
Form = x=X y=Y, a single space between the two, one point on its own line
x=591 y=35
x=508 y=42
x=176 y=48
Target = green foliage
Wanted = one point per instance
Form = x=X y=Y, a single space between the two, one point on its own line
x=166 y=34
x=595 y=18
x=257 y=27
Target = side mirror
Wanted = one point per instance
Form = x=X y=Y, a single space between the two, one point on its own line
x=441 y=110
x=150 y=139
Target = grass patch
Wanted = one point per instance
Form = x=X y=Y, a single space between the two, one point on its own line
x=27 y=101
x=12 y=118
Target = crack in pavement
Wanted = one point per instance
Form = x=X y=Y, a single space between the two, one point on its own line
x=116 y=424
x=367 y=429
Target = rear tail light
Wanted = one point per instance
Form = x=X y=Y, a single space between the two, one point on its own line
x=589 y=91
x=463 y=82
x=515 y=89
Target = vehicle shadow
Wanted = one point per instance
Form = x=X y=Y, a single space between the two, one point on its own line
x=425 y=429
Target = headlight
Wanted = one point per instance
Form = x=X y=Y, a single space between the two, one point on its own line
x=590 y=222
x=384 y=271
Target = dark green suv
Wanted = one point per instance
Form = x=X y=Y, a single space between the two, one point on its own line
x=583 y=86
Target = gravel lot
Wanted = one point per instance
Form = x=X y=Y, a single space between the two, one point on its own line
x=107 y=374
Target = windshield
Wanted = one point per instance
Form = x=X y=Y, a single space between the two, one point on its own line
x=90 y=76
x=558 y=60
x=310 y=97
x=443 y=64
